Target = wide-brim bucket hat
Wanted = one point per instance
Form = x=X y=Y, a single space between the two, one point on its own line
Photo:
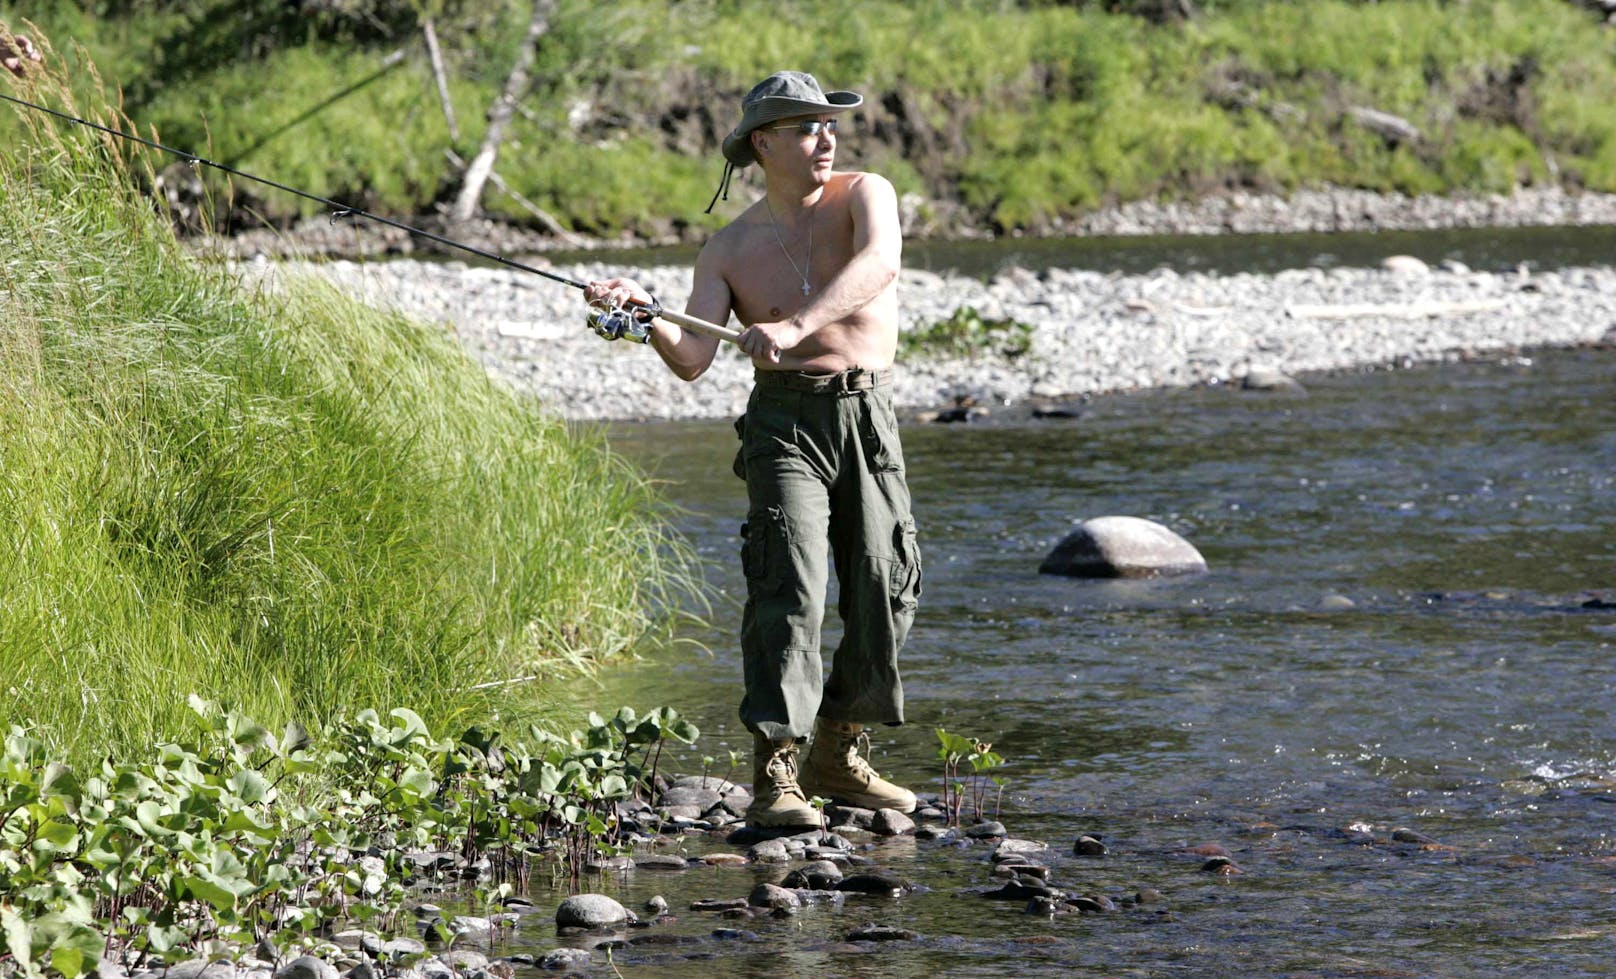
x=780 y=96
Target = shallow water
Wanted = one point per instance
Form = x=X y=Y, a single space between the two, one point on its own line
x=1465 y=511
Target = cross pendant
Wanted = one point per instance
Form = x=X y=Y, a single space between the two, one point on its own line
x=806 y=289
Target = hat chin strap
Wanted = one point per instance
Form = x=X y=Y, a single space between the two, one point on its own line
x=723 y=186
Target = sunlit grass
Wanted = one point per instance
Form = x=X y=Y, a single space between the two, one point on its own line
x=274 y=497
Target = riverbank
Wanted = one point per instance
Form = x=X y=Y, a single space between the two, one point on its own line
x=1091 y=333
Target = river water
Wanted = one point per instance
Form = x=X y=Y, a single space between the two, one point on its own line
x=1407 y=626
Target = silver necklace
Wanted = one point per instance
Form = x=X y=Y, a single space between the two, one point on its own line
x=807 y=259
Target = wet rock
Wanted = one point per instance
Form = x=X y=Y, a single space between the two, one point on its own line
x=1122 y=547
x=1057 y=409
x=1088 y=846
x=1148 y=895
x=724 y=860
x=881 y=933
x=1270 y=380
x=465 y=924
x=1403 y=834
x=661 y=861
x=891 y=822
x=717 y=903
x=774 y=897
x=565 y=959
x=930 y=833
x=464 y=959
x=821 y=875
x=1046 y=907
x=850 y=816
x=305 y=967
x=1221 y=866
x=363 y=970
x=883 y=884
x=770 y=851
x=1087 y=905
x=400 y=948
x=735 y=935
x=987 y=830
x=1018 y=848
x=590 y=911
x=1022 y=889
x=696 y=791
x=657 y=904
x=1207 y=850
x=1014 y=870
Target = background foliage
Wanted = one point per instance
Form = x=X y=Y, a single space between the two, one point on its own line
x=993 y=114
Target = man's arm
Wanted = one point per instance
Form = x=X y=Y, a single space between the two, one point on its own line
x=687 y=353
x=877 y=256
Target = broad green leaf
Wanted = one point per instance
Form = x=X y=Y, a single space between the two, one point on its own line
x=249 y=785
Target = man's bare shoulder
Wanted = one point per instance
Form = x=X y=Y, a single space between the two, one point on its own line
x=861 y=181
x=734 y=240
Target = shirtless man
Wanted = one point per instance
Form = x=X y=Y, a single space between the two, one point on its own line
x=810 y=271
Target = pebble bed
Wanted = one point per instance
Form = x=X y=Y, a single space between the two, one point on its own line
x=1093 y=333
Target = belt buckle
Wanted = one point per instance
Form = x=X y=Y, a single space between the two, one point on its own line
x=850 y=380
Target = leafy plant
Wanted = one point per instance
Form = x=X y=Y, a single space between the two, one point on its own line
x=981 y=760
x=967 y=333
x=236 y=831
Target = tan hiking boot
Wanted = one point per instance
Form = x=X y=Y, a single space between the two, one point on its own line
x=835 y=769
x=777 y=800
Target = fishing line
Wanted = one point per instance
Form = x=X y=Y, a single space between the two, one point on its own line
x=611 y=322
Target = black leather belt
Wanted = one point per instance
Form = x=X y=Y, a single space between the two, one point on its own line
x=846 y=382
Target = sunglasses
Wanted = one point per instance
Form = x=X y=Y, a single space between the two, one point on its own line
x=809 y=127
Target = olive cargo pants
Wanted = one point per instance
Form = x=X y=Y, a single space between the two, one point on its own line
x=825 y=478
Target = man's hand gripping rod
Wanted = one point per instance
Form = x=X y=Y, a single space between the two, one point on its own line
x=633 y=322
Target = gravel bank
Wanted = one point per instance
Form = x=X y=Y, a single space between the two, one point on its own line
x=1095 y=333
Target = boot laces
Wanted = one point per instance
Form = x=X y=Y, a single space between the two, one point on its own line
x=782 y=770
x=854 y=744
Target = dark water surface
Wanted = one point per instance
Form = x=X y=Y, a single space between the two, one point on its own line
x=1485 y=249
x=1465 y=512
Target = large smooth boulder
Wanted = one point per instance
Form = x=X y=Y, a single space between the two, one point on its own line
x=590 y=911
x=1122 y=547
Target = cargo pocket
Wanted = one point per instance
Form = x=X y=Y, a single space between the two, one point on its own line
x=764 y=546
x=905 y=568
x=878 y=435
x=739 y=465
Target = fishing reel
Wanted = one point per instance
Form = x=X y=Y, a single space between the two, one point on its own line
x=621 y=323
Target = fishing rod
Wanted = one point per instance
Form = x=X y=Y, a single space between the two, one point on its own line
x=631 y=321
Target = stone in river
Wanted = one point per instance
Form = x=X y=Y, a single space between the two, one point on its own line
x=1268 y=379
x=1122 y=547
x=773 y=896
x=881 y=933
x=1088 y=846
x=590 y=911
x=1405 y=265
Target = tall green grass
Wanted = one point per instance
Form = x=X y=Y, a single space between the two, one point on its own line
x=272 y=496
